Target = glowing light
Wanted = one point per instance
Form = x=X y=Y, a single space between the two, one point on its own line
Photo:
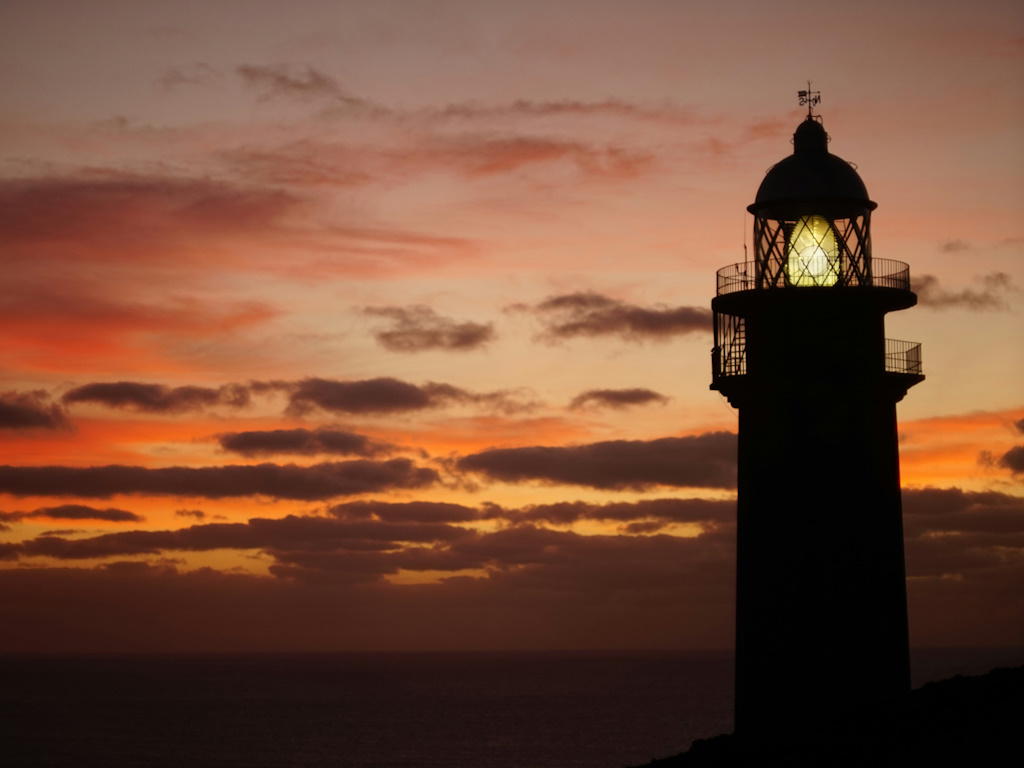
x=812 y=253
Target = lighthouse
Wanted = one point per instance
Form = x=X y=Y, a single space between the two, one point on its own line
x=800 y=350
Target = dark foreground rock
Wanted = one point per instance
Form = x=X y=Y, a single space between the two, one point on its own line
x=963 y=721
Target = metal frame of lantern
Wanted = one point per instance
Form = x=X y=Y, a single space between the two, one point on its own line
x=775 y=237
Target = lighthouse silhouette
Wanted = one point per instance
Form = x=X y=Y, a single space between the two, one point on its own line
x=800 y=350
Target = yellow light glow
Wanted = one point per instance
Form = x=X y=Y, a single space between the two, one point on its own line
x=812 y=253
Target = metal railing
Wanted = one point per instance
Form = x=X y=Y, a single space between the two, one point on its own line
x=885 y=273
x=736 y=277
x=902 y=356
x=730 y=358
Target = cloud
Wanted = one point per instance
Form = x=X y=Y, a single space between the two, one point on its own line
x=648 y=514
x=51 y=324
x=302 y=163
x=616 y=592
x=954 y=246
x=113 y=277
x=538 y=586
x=313 y=163
x=128 y=216
x=616 y=398
x=525 y=108
x=1013 y=460
x=325 y=551
x=157 y=398
x=382 y=395
x=765 y=129
x=383 y=529
x=387 y=395
x=952 y=511
x=303 y=442
x=991 y=295
x=703 y=461
x=378 y=533
x=591 y=314
x=710 y=512
x=336 y=250
x=419 y=329
x=477 y=156
x=319 y=481
x=351 y=525
x=31 y=410
x=290 y=534
x=75 y=512
x=81 y=512
x=197 y=73
x=191 y=226
x=406 y=512
x=964 y=568
x=305 y=83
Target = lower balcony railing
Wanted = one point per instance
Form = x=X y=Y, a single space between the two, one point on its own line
x=902 y=356
x=731 y=359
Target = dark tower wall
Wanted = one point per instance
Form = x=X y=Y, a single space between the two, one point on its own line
x=821 y=597
x=821 y=612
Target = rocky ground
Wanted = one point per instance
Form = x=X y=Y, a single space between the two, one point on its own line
x=963 y=721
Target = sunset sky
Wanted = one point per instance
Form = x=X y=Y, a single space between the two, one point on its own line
x=386 y=325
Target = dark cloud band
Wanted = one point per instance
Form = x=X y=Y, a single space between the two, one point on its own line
x=157 y=398
x=30 y=410
x=304 y=442
x=75 y=512
x=703 y=461
x=616 y=398
x=592 y=314
x=320 y=481
x=989 y=296
x=420 y=329
x=387 y=395
x=382 y=395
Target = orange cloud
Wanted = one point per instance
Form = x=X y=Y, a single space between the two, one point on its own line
x=479 y=156
x=117 y=216
x=53 y=328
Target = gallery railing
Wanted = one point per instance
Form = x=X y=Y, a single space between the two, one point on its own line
x=729 y=356
x=902 y=356
x=884 y=273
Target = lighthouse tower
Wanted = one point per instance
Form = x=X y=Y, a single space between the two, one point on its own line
x=800 y=350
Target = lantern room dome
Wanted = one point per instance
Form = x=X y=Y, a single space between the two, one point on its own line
x=811 y=174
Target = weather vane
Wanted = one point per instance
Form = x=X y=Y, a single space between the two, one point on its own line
x=809 y=98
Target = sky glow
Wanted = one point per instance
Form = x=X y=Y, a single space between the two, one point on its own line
x=387 y=325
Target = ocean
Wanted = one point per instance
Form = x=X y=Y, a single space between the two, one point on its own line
x=368 y=710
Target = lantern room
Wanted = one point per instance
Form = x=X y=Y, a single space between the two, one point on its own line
x=812 y=218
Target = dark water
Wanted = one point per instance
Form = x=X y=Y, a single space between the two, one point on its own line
x=484 y=710
x=415 y=710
